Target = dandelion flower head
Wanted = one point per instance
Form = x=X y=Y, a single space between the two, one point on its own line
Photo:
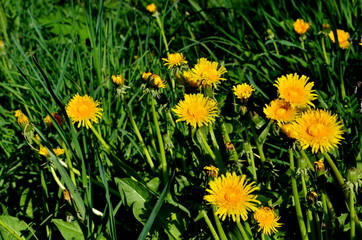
x=84 y=110
x=196 y=110
x=232 y=195
x=207 y=73
x=300 y=26
x=243 y=91
x=23 y=120
x=118 y=79
x=187 y=77
x=174 y=59
x=296 y=90
x=267 y=220
x=319 y=130
x=212 y=171
x=151 y=8
x=343 y=38
x=280 y=110
x=288 y=130
x=43 y=151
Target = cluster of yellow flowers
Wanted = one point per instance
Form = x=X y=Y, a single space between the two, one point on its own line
x=233 y=196
x=301 y=27
x=313 y=128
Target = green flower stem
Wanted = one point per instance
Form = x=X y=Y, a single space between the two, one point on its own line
x=325 y=212
x=258 y=144
x=250 y=156
x=233 y=152
x=160 y=141
x=248 y=229
x=298 y=208
x=140 y=138
x=326 y=58
x=69 y=162
x=242 y=231
x=214 y=143
x=276 y=48
x=302 y=43
x=218 y=162
x=57 y=179
x=310 y=223
x=305 y=156
x=352 y=235
x=209 y=224
x=100 y=139
x=218 y=225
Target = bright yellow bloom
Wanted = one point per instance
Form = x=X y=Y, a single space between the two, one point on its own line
x=117 y=79
x=319 y=130
x=296 y=90
x=280 y=110
x=300 y=26
x=151 y=8
x=84 y=110
x=231 y=194
x=146 y=75
x=157 y=81
x=243 y=91
x=212 y=171
x=43 y=151
x=187 y=77
x=288 y=130
x=343 y=38
x=206 y=73
x=267 y=220
x=23 y=120
x=174 y=59
x=196 y=110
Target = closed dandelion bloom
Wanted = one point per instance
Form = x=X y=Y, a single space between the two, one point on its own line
x=151 y=8
x=343 y=38
x=23 y=120
x=84 y=110
x=280 y=110
x=267 y=220
x=196 y=110
x=146 y=75
x=300 y=26
x=288 y=130
x=187 y=76
x=319 y=130
x=118 y=79
x=296 y=90
x=156 y=81
x=243 y=91
x=174 y=59
x=232 y=196
x=206 y=73
x=212 y=171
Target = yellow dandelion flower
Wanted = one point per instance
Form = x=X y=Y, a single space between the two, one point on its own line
x=196 y=110
x=187 y=76
x=231 y=194
x=300 y=26
x=146 y=75
x=151 y=8
x=212 y=171
x=288 y=130
x=117 y=79
x=206 y=73
x=267 y=220
x=43 y=151
x=343 y=38
x=319 y=130
x=280 y=110
x=174 y=59
x=319 y=165
x=296 y=90
x=157 y=81
x=23 y=120
x=84 y=110
x=243 y=91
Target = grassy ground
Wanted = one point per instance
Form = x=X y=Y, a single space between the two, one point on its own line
x=138 y=172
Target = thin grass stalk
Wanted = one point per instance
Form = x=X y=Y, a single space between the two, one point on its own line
x=69 y=163
x=160 y=141
x=242 y=230
x=209 y=224
x=326 y=58
x=298 y=209
x=258 y=144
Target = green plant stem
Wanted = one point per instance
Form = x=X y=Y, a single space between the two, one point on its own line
x=160 y=141
x=305 y=156
x=326 y=58
x=258 y=144
x=209 y=224
x=218 y=162
x=218 y=225
x=250 y=155
x=298 y=208
x=276 y=48
x=305 y=55
x=140 y=138
x=242 y=231
x=215 y=144
x=310 y=223
x=248 y=229
x=69 y=162
x=57 y=179
x=352 y=215
x=227 y=139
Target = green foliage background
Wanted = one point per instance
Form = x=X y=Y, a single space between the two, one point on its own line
x=55 y=49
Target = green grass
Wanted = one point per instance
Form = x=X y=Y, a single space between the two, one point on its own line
x=146 y=177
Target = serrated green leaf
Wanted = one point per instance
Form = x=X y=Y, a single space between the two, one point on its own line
x=69 y=230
